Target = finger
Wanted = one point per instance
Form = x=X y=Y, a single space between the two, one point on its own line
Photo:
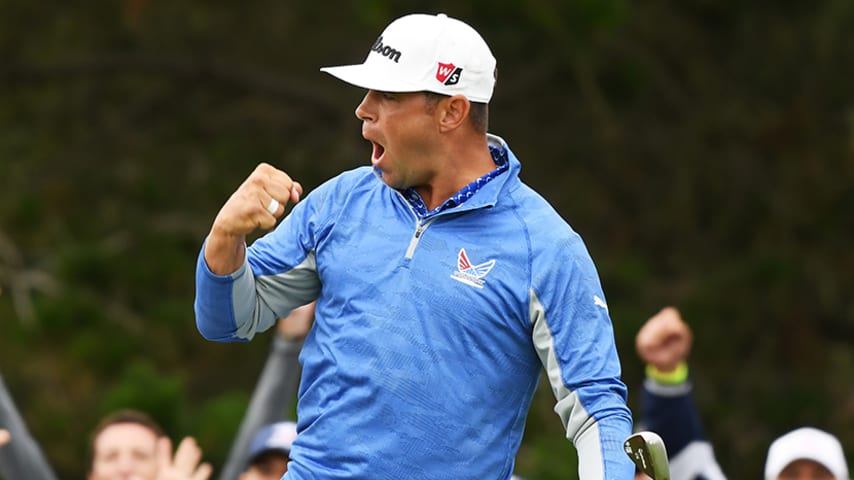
x=187 y=456
x=164 y=453
x=274 y=207
x=296 y=192
x=5 y=436
x=203 y=472
x=279 y=184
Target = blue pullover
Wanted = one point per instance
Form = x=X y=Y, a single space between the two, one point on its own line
x=430 y=330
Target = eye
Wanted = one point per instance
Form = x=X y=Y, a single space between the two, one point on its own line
x=388 y=95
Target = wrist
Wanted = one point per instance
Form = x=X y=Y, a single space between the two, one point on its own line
x=673 y=377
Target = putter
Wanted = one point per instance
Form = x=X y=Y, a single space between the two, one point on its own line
x=647 y=450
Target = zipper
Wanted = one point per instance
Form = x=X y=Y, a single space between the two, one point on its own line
x=419 y=230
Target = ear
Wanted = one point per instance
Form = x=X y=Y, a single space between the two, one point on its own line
x=453 y=112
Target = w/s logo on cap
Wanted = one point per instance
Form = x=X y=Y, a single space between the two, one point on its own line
x=448 y=73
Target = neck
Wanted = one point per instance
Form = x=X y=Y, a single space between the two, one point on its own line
x=463 y=163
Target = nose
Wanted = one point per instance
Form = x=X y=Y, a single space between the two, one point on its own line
x=364 y=111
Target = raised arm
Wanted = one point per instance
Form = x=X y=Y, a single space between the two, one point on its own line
x=667 y=403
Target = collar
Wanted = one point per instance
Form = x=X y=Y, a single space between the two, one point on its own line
x=498 y=151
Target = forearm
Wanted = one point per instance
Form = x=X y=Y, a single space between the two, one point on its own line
x=598 y=437
x=217 y=317
x=224 y=253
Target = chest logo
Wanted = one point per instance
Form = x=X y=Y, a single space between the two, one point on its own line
x=471 y=274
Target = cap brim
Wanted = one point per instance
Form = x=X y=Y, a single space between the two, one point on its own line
x=364 y=76
x=257 y=455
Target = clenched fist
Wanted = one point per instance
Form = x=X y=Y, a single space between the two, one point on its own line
x=257 y=204
x=664 y=340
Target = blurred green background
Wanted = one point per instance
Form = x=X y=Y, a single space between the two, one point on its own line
x=704 y=150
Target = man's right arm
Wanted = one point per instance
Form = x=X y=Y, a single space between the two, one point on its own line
x=223 y=283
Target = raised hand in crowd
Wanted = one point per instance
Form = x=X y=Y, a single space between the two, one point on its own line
x=186 y=464
x=665 y=340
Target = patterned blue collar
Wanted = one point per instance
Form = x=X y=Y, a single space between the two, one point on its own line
x=499 y=156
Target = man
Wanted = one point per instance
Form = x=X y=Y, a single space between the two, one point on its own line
x=443 y=284
x=129 y=445
x=269 y=452
x=664 y=344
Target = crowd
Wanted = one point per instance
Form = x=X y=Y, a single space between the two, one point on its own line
x=416 y=302
x=668 y=408
x=130 y=445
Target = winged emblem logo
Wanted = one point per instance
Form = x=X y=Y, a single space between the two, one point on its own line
x=471 y=274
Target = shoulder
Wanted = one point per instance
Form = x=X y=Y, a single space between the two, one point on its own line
x=355 y=176
x=342 y=186
x=546 y=227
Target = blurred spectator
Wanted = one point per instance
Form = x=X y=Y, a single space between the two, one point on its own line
x=806 y=454
x=667 y=408
x=270 y=451
x=125 y=445
x=130 y=445
x=667 y=403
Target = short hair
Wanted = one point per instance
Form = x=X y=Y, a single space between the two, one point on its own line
x=122 y=417
x=478 y=114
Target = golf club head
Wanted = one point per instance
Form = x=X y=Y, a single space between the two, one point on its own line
x=647 y=450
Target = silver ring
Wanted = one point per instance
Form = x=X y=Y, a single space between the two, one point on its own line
x=273 y=206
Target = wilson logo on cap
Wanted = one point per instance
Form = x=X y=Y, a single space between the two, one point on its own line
x=448 y=73
x=385 y=50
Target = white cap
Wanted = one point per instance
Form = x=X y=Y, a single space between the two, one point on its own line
x=276 y=437
x=420 y=52
x=806 y=443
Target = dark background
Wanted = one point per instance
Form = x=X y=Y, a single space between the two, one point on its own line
x=704 y=150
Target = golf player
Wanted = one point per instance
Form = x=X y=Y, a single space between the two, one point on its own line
x=444 y=284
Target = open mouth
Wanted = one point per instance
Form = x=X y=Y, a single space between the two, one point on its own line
x=377 y=153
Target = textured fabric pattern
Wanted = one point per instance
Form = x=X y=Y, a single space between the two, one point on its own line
x=421 y=362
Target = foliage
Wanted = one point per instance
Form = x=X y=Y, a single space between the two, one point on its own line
x=705 y=151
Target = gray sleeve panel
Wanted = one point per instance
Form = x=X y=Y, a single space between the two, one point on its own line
x=21 y=458
x=260 y=300
x=271 y=400
x=580 y=427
